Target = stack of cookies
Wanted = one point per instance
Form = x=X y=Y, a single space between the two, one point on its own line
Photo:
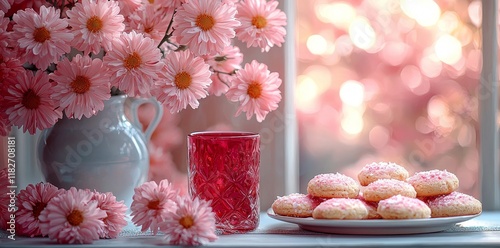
x=383 y=191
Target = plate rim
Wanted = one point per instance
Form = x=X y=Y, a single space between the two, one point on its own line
x=444 y=222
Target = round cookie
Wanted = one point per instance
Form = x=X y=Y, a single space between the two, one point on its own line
x=341 y=209
x=333 y=185
x=433 y=182
x=454 y=204
x=402 y=207
x=295 y=205
x=385 y=188
x=381 y=170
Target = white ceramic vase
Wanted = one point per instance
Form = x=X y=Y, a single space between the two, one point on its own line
x=106 y=152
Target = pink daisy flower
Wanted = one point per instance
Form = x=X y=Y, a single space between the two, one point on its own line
x=4 y=199
x=127 y=7
x=115 y=219
x=151 y=204
x=223 y=64
x=192 y=224
x=82 y=86
x=161 y=164
x=29 y=104
x=6 y=50
x=44 y=37
x=95 y=24
x=72 y=217
x=262 y=24
x=31 y=202
x=134 y=64
x=186 y=80
x=9 y=69
x=150 y=22
x=5 y=5
x=257 y=90
x=205 y=26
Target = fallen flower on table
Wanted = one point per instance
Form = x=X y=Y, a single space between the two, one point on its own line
x=151 y=204
x=193 y=223
x=115 y=221
x=31 y=202
x=73 y=217
x=183 y=220
x=81 y=216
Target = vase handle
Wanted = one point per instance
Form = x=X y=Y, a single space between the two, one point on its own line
x=136 y=102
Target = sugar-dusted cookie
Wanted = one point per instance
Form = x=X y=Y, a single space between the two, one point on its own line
x=433 y=182
x=454 y=204
x=340 y=209
x=295 y=205
x=381 y=170
x=385 y=188
x=333 y=185
x=402 y=207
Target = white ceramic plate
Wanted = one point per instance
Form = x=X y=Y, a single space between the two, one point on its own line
x=374 y=227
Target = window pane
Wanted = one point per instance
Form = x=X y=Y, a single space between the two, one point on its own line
x=389 y=81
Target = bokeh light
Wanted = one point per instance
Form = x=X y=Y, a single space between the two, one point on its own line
x=317 y=44
x=389 y=80
x=340 y=14
x=352 y=93
x=448 y=49
x=425 y=12
x=361 y=33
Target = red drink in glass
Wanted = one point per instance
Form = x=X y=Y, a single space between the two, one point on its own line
x=224 y=168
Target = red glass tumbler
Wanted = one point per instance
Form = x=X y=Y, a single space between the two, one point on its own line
x=224 y=168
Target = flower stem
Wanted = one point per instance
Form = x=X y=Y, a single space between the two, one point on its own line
x=166 y=37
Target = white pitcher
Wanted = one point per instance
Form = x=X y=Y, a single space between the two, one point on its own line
x=106 y=152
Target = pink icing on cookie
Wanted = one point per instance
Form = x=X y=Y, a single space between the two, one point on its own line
x=341 y=203
x=332 y=178
x=454 y=198
x=378 y=167
x=381 y=170
x=296 y=204
x=389 y=183
x=400 y=201
x=433 y=175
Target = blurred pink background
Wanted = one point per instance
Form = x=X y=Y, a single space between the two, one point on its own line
x=387 y=80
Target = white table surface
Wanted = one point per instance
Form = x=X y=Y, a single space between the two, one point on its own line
x=482 y=231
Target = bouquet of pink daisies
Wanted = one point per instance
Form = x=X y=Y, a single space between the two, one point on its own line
x=69 y=56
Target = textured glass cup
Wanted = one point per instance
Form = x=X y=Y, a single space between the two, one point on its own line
x=224 y=168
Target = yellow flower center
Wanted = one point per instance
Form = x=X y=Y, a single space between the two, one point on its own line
x=41 y=34
x=254 y=90
x=154 y=205
x=132 y=61
x=75 y=218
x=259 y=21
x=151 y=1
x=186 y=221
x=37 y=209
x=80 y=85
x=205 y=22
x=94 y=24
x=183 y=80
x=30 y=99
